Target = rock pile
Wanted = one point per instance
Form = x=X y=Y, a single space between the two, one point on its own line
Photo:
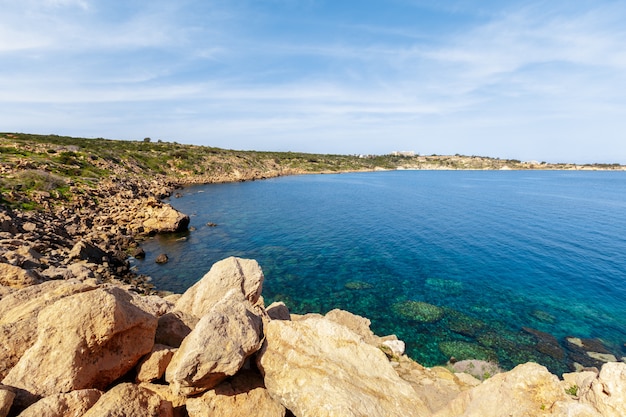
x=75 y=347
x=88 y=237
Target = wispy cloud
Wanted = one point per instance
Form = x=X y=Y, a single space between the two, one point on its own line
x=195 y=70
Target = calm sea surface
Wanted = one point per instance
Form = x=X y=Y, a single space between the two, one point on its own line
x=494 y=252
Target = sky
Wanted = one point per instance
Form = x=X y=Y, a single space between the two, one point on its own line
x=528 y=80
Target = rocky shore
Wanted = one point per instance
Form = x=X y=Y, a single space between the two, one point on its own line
x=73 y=347
x=83 y=335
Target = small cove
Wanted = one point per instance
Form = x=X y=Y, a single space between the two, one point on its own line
x=493 y=252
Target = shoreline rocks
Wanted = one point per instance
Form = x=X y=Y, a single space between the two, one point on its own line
x=86 y=342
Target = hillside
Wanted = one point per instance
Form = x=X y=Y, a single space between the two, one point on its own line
x=37 y=169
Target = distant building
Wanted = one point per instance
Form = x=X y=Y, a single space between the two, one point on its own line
x=403 y=153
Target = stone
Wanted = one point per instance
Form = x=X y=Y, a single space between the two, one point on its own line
x=216 y=348
x=397 y=347
x=87 y=251
x=242 y=395
x=436 y=387
x=477 y=368
x=164 y=219
x=17 y=277
x=152 y=367
x=87 y=340
x=316 y=367
x=18 y=317
x=359 y=325
x=139 y=253
x=152 y=304
x=278 y=311
x=162 y=259
x=75 y=403
x=29 y=227
x=546 y=343
x=173 y=327
x=130 y=400
x=243 y=275
x=527 y=390
x=6 y=400
x=607 y=393
x=588 y=352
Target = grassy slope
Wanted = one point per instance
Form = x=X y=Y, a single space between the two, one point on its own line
x=56 y=165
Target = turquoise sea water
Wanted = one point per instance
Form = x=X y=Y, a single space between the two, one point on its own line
x=495 y=252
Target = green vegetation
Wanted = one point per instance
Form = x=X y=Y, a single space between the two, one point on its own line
x=60 y=165
x=573 y=390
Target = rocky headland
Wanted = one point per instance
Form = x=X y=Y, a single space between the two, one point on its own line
x=83 y=335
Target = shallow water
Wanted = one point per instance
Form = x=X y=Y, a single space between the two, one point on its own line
x=495 y=251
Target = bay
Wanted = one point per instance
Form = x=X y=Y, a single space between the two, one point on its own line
x=493 y=251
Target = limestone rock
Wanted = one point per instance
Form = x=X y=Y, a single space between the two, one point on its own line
x=153 y=366
x=242 y=395
x=316 y=367
x=16 y=277
x=173 y=327
x=87 y=251
x=608 y=393
x=527 y=390
x=243 y=275
x=6 y=400
x=162 y=259
x=216 y=348
x=165 y=219
x=359 y=325
x=436 y=387
x=18 y=317
x=397 y=347
x=278 y=311
x=152 y=304
x=87 y=340
x=75 y=403
x=130 y=400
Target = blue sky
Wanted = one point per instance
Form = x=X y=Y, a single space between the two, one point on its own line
x=529 y=80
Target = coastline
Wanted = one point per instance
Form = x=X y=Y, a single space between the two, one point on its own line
x=81 y=245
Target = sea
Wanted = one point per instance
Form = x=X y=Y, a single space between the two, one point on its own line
x=495 y=265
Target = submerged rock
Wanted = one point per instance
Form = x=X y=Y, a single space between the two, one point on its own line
x=464 y=350
x=418 y=311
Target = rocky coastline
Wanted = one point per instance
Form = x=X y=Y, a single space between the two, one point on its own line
x=84 y=335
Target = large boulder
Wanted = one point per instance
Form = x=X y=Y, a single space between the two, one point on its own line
x=87 y=340
x=75 y=403
x=242 y=395
x=216 y=348
x=241 y=275
x=316 y=367
x=16 y=277
x=608 y=393
x=130 y=400
x=164 y=219
x=527 y=390
x=18 y=317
